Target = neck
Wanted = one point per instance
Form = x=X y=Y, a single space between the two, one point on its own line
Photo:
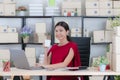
x=63 y=42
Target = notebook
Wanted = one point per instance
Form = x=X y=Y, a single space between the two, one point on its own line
x=20 y=60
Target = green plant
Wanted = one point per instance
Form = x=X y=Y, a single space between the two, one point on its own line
x=101 y=60
x=115 y=22
x=117 y=77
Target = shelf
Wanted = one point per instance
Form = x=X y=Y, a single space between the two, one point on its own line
x=101 y=43
x=25 y=16
x=55 y=16
x=98 y=16
x=9 y=43
x=34 y=43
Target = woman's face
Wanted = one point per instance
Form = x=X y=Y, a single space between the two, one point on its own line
x=61 y=33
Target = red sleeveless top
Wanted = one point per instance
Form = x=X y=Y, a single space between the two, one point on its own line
x=59 y=53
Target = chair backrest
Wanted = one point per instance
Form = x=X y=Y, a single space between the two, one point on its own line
x=84 y=49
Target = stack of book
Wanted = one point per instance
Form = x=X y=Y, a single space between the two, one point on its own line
x=35 y=9
x=52 y=11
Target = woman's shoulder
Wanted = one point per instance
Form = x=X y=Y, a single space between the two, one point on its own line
x=73 y=43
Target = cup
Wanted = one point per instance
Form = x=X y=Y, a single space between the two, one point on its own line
x=6 y=66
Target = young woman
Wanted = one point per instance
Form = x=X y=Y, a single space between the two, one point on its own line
x=63 y=54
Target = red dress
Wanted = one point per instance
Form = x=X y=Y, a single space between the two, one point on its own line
x=59 y=53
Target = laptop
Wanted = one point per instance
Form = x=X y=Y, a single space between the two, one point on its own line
x=20 y=60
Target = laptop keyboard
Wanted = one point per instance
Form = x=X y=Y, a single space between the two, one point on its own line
x=36 y=68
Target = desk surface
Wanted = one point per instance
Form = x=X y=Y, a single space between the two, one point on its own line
x=15 y=71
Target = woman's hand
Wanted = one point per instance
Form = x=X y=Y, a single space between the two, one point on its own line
x=38 y=65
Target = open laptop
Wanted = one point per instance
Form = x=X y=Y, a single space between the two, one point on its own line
x=20 y=60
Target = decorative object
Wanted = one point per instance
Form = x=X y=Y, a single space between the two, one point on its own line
x=101 y=62
x=21 y=10
x=115 y=22
x=25 y=33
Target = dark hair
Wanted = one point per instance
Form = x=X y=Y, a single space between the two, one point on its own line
x=65 y=26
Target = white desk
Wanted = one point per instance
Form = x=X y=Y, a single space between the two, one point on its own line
x=15 y=71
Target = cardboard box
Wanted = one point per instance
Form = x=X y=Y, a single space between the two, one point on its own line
x=106 y=12
x=10 y=9
x=92 y=4
x=98 y=36
x=1 y=9
x=71 y=4
x=39 y=37
x=30 y=52
x=117 y=31
x=108 y=35
x=92 y=12
x=116 y=4
x=8 y=37
x=40 y=28
x=105 y=4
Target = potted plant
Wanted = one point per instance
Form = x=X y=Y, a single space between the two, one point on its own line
x=115 y=22
x=25 y=33
x=101 y=63
x=21 y=10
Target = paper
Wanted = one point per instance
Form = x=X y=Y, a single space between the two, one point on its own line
x=47 y=43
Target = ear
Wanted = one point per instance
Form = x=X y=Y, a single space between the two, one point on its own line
x=68 y=32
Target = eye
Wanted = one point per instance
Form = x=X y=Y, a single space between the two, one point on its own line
x=61 y=30
x=56 y=30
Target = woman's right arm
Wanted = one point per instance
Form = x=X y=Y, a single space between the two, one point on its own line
x=47 y=58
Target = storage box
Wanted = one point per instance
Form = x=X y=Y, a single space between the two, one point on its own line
x=108 y=35
x=76 y=30
x=11 y=30
x=116 y=4
x=92 y=4
x=108 y=25
x=116 y=64
x=71 y=4
x=105 y=4
x=1 y=9
x=3 y=29
x=116 y=45
x=76 y=34
x=39 y=37
x=98 y=36
x=40 y=28
x=8 y=1
x=30 y=52
x=92 y=12
x=116 y=12
x=8 y=37
x=106 y=12
x=9 y=9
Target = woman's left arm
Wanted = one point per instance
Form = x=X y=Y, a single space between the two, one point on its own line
x=64 y=63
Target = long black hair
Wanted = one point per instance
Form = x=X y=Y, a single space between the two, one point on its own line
x=65 y=26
